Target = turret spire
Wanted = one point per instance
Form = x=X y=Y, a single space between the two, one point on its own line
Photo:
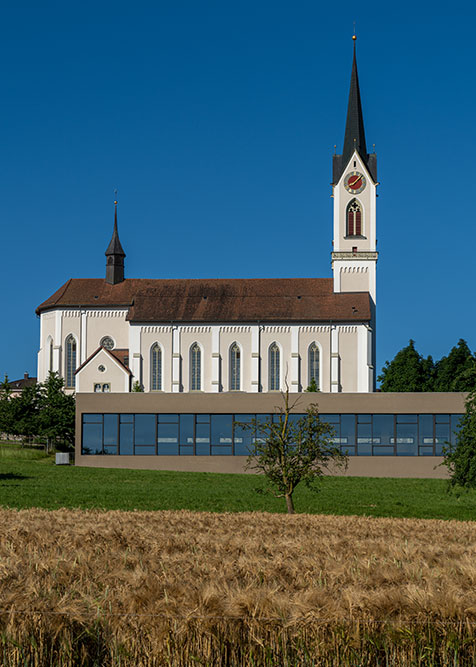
x=115 y=256
x=354 y=138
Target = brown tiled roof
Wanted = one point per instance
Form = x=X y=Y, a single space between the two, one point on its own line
x=214 y=300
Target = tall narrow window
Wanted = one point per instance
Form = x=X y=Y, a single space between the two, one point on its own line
x=70 y=346
x=235 y=369
x=155 y=368
x=195 y=368
x=50 y=364
x=354 y=219
x=274 y=379
x=314 y=364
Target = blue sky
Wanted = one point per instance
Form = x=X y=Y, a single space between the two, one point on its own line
x=216 y=122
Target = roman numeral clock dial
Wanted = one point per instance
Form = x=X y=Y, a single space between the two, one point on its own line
x=355 y=182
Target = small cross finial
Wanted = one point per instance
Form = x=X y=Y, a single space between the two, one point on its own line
x=115 y=197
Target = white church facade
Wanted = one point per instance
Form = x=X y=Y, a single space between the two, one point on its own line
x=110 y=334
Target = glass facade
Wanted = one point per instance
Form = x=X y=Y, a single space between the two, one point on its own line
x=227 y=434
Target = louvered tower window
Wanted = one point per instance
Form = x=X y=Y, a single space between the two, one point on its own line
x=156 y=368
x=354 y=219
x=195 y=368
x=274 y=379
x=314 y=364
x=235 y=370
x=70 y=346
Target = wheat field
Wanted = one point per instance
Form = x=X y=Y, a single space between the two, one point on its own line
x=182 y=588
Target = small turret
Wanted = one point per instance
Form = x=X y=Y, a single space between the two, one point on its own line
x=115 y=256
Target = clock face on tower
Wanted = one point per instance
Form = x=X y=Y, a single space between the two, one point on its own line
x=355 y=182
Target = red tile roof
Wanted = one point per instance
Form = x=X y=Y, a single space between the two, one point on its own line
x=216 y=300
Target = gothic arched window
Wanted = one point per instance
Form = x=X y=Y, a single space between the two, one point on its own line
x=155 y=368
x=314 y=364
x=50 y=361
x=195 y=367
x=70 y=365
x=274 y=363
x=235 y=367
x=354 y=218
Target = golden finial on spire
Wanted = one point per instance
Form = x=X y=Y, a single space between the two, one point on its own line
x=354 y=36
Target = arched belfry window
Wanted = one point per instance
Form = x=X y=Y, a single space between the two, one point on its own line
x=70 y=365
x=195 y=367
x=314 y=360
x=235 y=367
x=155 y=368
x=274 y=366
x=354 y=218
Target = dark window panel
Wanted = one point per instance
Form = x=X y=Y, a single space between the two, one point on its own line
x=110 y=429
x=364 y=449
x=92 y=418
x=349 y=451
x=383 y=429
x=221 y=450
x=347 y=429
x=168 y=418
x=167 y=434
x=364 y=419
x=92 y=439
x=126 y=439
x=222 y=429
x=426 y=430
x=110 y=449
x=203 y=419
x=202 y=448
x=383 y=451
x=187 y=426
x=442 y=419
x=126 y=419
x=186 y=450
x=167 y=449
x=330 y=419
x=145 y=433
x=426 y=451
x=145 y=450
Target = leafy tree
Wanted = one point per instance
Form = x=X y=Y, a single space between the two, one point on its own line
x=137 y=387
x=24 y=410
x=5 y=406
x=408 y=371
x=312 y=386
x=290 y=450
x=461 y=461
x=457 y=371
x=56 y=411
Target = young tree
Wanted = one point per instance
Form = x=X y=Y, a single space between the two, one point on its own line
x=408 y=371
x=56 y=411
x=312 y=386
x=457 y=371
x=461 y=461
x=292 y=450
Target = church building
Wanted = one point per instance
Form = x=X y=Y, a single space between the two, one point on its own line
x=113 y=334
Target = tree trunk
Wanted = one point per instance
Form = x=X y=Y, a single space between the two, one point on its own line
x=290 y=503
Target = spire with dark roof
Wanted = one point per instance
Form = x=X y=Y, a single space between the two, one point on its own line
x=354 y=138
x=115 y=256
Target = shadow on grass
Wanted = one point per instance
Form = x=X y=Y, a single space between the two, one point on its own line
x=11 y=475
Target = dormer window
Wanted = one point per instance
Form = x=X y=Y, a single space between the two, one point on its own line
x=354 y=219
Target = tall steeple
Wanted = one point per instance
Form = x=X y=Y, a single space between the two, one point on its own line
x=115 y=256
x=354 y=138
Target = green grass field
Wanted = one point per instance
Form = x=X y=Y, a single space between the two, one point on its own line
x=29 y=478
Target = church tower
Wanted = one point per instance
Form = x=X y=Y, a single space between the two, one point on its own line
x=115 y=256
x=354 y=182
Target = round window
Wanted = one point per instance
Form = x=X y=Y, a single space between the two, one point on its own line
x=101 y=368
x=107 y=342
